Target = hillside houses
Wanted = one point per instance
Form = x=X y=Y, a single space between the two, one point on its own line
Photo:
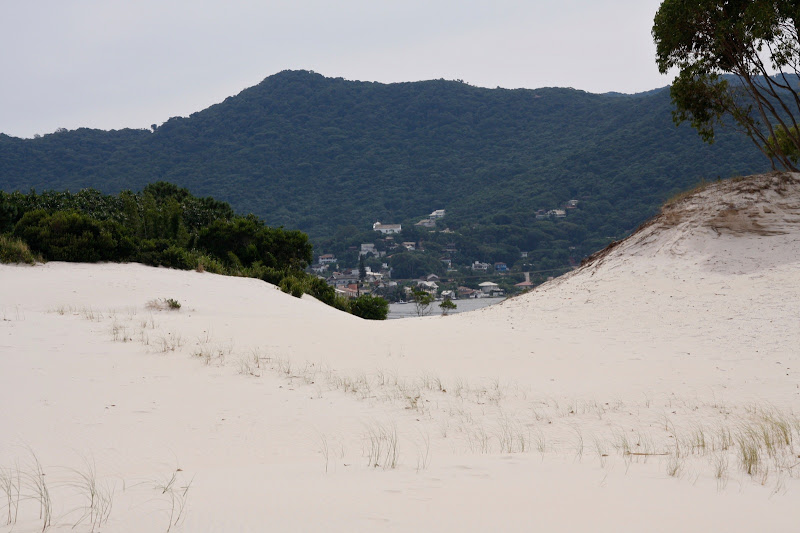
x=430 y=220
x=368 y=249
x=428 y=286
x=477 y=266
x=413 y=253
x=557 y=213
x=387 y=229
x=552 y=213
x=490 y=290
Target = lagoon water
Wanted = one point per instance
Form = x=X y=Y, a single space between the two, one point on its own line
x=408 y=310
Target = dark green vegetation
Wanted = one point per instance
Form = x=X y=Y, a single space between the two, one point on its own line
x=163 y=225
x=422 y=301
x=14 y=250
x=738 y=61
x=370 y=307
x=446 y=306
x=330 y=157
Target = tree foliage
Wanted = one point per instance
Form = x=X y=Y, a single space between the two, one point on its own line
x=164 y=225
x=330 y=157
x=755 y=43
x=422 y=301
x=447 y=305
x=370 y=307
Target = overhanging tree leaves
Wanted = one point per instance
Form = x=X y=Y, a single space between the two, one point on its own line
x=756 y=44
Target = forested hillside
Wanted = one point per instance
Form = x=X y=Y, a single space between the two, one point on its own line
x=331 y=156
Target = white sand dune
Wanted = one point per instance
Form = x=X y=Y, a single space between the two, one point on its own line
x=657 y=388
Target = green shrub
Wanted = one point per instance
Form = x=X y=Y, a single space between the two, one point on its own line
x=15 y=251
x=319 y=289
x=69 y=236
x=292 y=285
x=370 y=307
x=205 y=263
x=174 y=257
x=273 y=275
x=164 y=225
x=446 y=306
x=422 y=301
x=342 y=303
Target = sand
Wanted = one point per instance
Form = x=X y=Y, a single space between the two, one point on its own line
x=625 y=396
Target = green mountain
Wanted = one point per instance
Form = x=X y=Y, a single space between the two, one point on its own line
x=332 y=156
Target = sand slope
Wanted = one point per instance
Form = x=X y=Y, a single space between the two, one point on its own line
x=657 y=388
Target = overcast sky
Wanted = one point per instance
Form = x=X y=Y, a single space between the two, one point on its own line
x=113 y=64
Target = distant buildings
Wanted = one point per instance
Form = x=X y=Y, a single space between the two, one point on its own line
x=466 y=292
x=527 y=283
x=477 y=266
x=490 y=289
x=430 y=221
x=387 y=229
x=428 y=286
x=369 y=249
x=556 y=213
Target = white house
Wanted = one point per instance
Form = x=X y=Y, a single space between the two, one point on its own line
x=477 y=266
x=490 y=289
x=439 y=213
x=373 y=277
x=428 y=286
x=387 y=229
x=327 y=258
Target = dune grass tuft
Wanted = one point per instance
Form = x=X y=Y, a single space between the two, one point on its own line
x=13 y=250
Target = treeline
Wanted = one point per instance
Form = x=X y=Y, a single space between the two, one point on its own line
x=330 y=157
x=163 y=225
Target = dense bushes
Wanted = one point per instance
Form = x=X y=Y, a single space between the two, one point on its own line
x=72 y=236
x=246 y=240
x=370 y=307
x=164 y=225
